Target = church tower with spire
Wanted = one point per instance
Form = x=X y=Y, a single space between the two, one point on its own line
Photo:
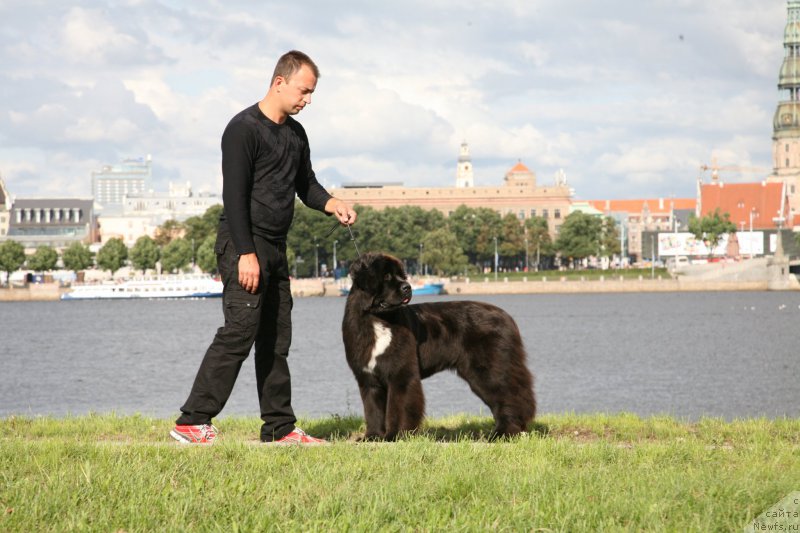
x=786 y=122
x=464 y=176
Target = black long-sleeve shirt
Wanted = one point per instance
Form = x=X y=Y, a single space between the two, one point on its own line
x=264 y=165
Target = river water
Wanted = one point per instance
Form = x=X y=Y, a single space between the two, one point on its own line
x=728 y=354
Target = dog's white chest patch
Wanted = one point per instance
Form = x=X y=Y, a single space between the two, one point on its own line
x=383 y=337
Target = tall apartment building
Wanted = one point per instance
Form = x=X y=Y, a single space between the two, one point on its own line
x=112 y=183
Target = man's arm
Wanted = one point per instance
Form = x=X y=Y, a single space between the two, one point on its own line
x=237 y=186
x=238 y=149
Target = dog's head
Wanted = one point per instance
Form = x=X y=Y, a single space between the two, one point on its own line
x=381 y=282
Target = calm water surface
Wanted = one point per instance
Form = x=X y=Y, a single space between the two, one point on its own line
x=686 y=354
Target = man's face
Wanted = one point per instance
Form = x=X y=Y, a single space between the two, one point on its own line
x=296 y=91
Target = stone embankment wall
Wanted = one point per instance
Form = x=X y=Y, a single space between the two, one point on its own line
x=33 y=292
x=599 y=286
x=317 y=287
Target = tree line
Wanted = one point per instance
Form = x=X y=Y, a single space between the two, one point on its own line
x=470 y=241
x=176 y=247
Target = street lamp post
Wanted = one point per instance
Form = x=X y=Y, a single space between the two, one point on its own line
x=335 y=264
x=495 y=258
x=526 y=249
x=316 y=258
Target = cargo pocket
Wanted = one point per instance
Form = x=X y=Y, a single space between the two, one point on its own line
x=242 y=309
x=220 y=244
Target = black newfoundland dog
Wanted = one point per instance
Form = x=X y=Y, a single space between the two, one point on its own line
x=392 y=346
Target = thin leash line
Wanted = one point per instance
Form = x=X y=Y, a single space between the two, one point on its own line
x=352 y=237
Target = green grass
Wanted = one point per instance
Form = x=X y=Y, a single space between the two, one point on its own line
x=571 y=473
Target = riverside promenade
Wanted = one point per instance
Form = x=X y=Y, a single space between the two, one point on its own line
x=754 y=275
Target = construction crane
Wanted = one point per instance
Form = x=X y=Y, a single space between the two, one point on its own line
x=714 y=168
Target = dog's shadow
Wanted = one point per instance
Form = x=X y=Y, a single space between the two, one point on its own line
x=351 y=428
x=477 y=430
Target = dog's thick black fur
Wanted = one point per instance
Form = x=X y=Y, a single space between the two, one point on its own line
x=392 y=346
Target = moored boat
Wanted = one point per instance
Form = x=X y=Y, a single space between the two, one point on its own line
x=420 y=289
x=170 y=286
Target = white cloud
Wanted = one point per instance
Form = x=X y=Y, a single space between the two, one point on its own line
x=628 y=97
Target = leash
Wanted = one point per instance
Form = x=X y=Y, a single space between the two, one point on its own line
x=349 y=229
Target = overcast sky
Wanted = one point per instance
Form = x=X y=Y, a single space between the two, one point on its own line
x=628 y=97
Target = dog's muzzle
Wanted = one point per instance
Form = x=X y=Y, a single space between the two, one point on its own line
x=405 y=291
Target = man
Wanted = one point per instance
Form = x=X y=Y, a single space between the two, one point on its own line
x=265 y=163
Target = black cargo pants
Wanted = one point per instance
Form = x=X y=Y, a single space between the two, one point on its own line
x=263 y=318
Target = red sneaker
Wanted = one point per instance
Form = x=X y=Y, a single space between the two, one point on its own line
x=298 y=437
x=200 y=434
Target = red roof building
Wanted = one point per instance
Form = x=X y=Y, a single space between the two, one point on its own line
x=760 y=203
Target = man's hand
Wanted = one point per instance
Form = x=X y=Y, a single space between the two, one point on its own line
x=249 y=272
x=343 y=212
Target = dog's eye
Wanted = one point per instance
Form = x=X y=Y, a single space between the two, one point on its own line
x=387 y=277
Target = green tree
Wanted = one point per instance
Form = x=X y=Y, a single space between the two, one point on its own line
x=145 y=253
x=206 y=256
x=486 y=226
x=43 y=259
x=463 y=224
x=198 y=228
x=442 y=252
x=711 y=228
x=77 y=257
x=404 y=228
x=579 y=236
x=211 y=216
x=609 y=238
x=176 y=255
x=12 y=257
x=112 y=255
x=512 y=239
x=169 y=230
x=310 y=238
x=540 y=245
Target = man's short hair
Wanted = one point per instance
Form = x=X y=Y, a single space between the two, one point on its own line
x=290 y=62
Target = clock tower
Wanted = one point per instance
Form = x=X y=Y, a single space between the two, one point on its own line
x=464 y=177
x=786 y=122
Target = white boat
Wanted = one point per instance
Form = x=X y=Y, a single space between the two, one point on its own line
x=173 y=286
x=420 y=289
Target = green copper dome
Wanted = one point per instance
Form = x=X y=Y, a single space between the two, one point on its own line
x=786 y=122
x=790 y=72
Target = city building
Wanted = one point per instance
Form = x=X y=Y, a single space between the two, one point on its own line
x=55 y=222
x=126 y=227
x=519 y=194
x=5 y=208
x=179 y=203
x=636 y=217
x=113 y=183
x=142 y=214
x=786 y=121
x=464 y=175
x=758 y=206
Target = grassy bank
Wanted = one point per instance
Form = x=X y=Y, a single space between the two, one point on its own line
x=587 y=473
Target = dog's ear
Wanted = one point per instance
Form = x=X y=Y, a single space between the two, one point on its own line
x=362 y=272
